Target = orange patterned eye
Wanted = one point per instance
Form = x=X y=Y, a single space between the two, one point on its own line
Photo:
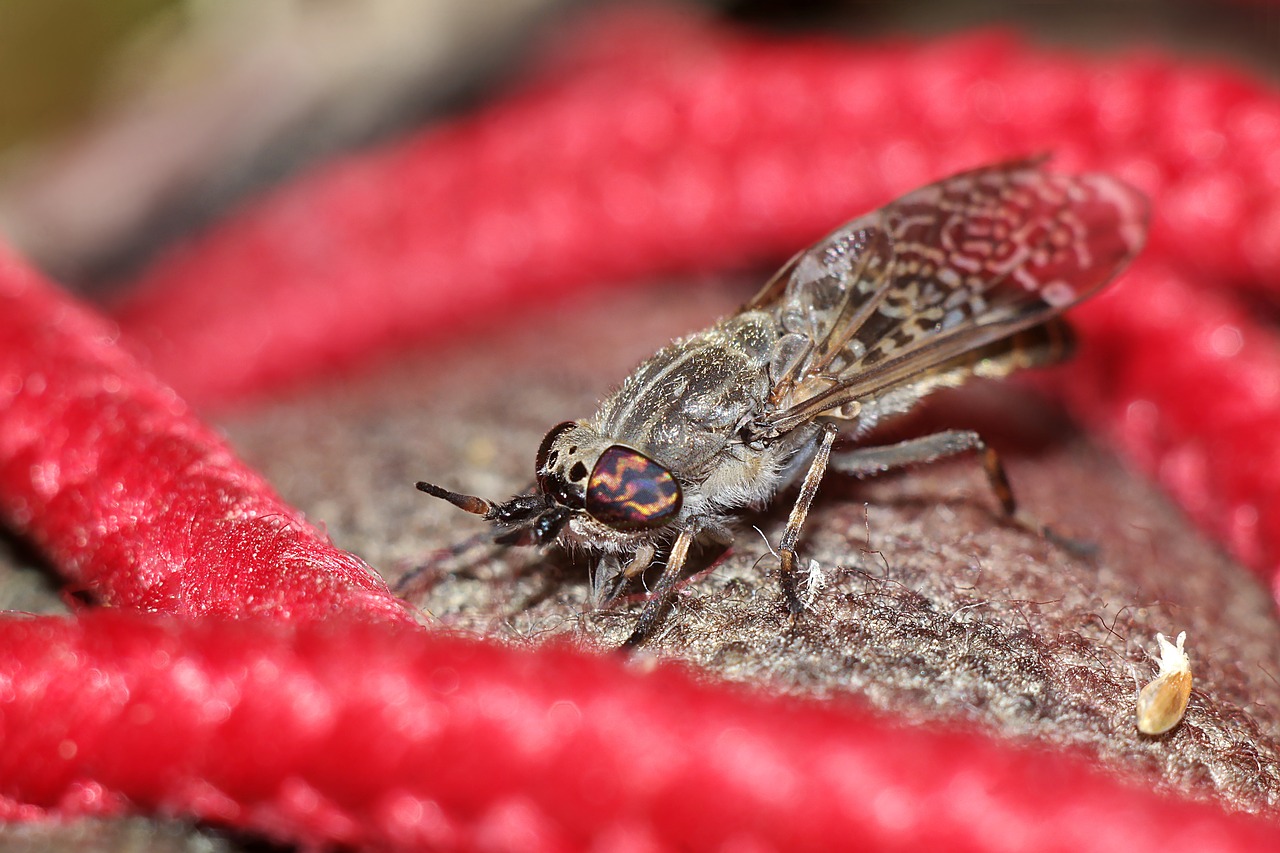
x=629 y=491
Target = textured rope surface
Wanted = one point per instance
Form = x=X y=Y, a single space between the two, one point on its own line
x=692 y=150
x=394 y=739
x=705 y=152
x=130 y=496
x=1186 y=384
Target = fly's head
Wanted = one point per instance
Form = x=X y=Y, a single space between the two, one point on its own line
x=589 y=488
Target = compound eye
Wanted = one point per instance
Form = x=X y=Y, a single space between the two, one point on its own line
x=629 y=491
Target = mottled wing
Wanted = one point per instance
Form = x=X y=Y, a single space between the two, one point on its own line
x=944 y=270
x=828 y=294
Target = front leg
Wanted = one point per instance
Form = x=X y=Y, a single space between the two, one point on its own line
x=787 y=546
x=662 y=591
x=609 y=576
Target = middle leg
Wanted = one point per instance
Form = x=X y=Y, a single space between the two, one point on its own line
x=808 y=489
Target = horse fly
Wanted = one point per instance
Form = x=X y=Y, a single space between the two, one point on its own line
x=966 y=277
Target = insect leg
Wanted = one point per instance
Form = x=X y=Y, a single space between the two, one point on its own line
x=787 y=546
x=606 y=580
x=662 y=591
x=610 y=576
x=865 y=461
x=418 y=579
x=641 y=561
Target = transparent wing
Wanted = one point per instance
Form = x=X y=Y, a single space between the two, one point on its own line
x=944 y=270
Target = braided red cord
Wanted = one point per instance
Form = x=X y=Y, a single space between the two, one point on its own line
x=686 y=154
x=692 y=150
x=392 y=739
x=704 y=152
x=1187 y=385
x=134 y=499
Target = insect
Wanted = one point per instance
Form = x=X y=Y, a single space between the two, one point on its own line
x=1163 y=701
x=965 y=277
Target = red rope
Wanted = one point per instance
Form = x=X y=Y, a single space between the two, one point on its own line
x=393 y=739
x=686 y=150
x=1186 y=384
x=691 y=153
x=130 y=496
x=691 y=150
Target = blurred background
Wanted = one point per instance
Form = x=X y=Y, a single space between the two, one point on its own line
x=124 y=124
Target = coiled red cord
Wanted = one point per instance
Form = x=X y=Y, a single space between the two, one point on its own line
x=693 y=153
x=1185 y=383
x=391 y=739
x=134 y=499
x=684 y=149
x=690 y=150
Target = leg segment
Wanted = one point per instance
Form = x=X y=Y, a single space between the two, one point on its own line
x=662 y=591
x=865 y=461
x=641 y=561
x=609 y=576
x=787 y=547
